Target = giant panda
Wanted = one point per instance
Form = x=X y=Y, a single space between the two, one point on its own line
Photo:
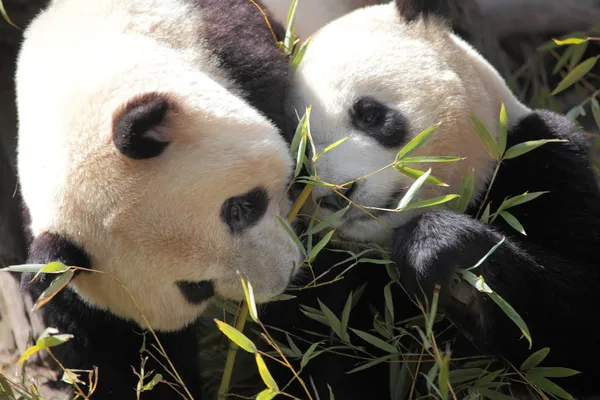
x=151 y=149
x=379 y=76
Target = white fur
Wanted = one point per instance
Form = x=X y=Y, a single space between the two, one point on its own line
x=149 y=222
x=428 y=74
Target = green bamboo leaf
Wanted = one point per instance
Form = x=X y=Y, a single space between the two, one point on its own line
x=415 y=143
x=493 y=395
x=479 y=284
x=416 y=174
x=577 y=54
x=375 y=341
x=300 y=155
x=488 y=254
x=596 y=112
x=236 y=336
x=487 y=379
x=5 y=15
x=329 y=220
x=513 y=222
x=410 y=193
x=387 y=295
x=346 y=316
x=502 y=131
x=329 y=148
x=54 y=288
x=52 y=268
x=155 y=381
x=520 y=199
x=291 y=234
x=525 y=147
x=52 y=341
x=486 y=138
x=264 y=373
x=334 y=323
x=427 y=159
x=575 y=75
x=28 y=353
x=548 y=386
x=553 y=372
x=375 y=261
x=315 y=182
x=563 y=60
x=24 y=268
x=485 y=217
x=300 y=129
x=298 y=55
x=569 y=41
x=465 y=191
x=308 y=355
x=535 y=359
x=250 y=301
x=314 y=252
x=430 y=202
x=371 y=363
x=443 y=376
x=5 y=388
x=288 y=41
x=465 y=375
x=267 y=394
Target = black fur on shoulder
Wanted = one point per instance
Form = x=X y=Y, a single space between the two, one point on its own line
x=412 y=10
x=238 y=34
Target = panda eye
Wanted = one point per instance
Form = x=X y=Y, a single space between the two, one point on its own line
x=368 y=114
x=241 y=212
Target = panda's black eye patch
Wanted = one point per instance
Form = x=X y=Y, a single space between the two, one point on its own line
x=243 y=212
x=384 y=124
x=137 y=127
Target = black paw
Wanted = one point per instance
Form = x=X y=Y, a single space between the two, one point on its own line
x=432 y=246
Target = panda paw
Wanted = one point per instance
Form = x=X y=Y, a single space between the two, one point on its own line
x=432 y=246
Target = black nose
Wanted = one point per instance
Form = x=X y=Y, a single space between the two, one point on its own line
x=336 y=202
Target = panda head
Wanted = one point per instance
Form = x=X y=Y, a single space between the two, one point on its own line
x=140 y=155
x=379 y=76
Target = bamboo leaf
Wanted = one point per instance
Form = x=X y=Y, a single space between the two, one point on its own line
x=464 y=375
x=443 y=376
x=465 y=191
x=329 y=148
x=291 y=234
x=485 y=217
x=553 y=372
x=308 y=355
x=267 y=394
x=24 y=268
x=575 y=75
x=329 y=220
x=375 y=341
x=5 y=15
x=415 y=143
x=569 y=41
x=493 y=395
x=413 y=190
x=298 y=55
x=548 y=386
x=155 y=381
x=513 y=222
x=427 y=159
x=52 y=268
x=288 y=41
x=486 y=138
x=236 y=336
x=5 y=388
x=375 y=261
x=416 y=174
x=430 y=202
x=371 y=363
x=502 y=131
x=264 y=373
x=314 y=252
x=54 y=288
x=596 y=112
x=333 y=321
x=250 y=301
x=525 y=147
x=387 y=295
x=52 y=341
x=488 y=254
x=535 y=359
x=28 y=353
x=479 y=284
x=346 y=316
x=520 y=199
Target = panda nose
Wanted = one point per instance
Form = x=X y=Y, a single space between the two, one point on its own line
x=334 y=201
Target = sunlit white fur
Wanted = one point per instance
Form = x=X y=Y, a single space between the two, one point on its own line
x=424 y=71
x=149 y=222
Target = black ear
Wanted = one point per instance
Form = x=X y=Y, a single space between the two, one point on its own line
x=412 y=10
x=138 y=128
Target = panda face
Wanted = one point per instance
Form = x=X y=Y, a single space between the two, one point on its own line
x=378 y=80
x=135 y=148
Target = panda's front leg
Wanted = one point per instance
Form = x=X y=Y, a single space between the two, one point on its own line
x=551 y=292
